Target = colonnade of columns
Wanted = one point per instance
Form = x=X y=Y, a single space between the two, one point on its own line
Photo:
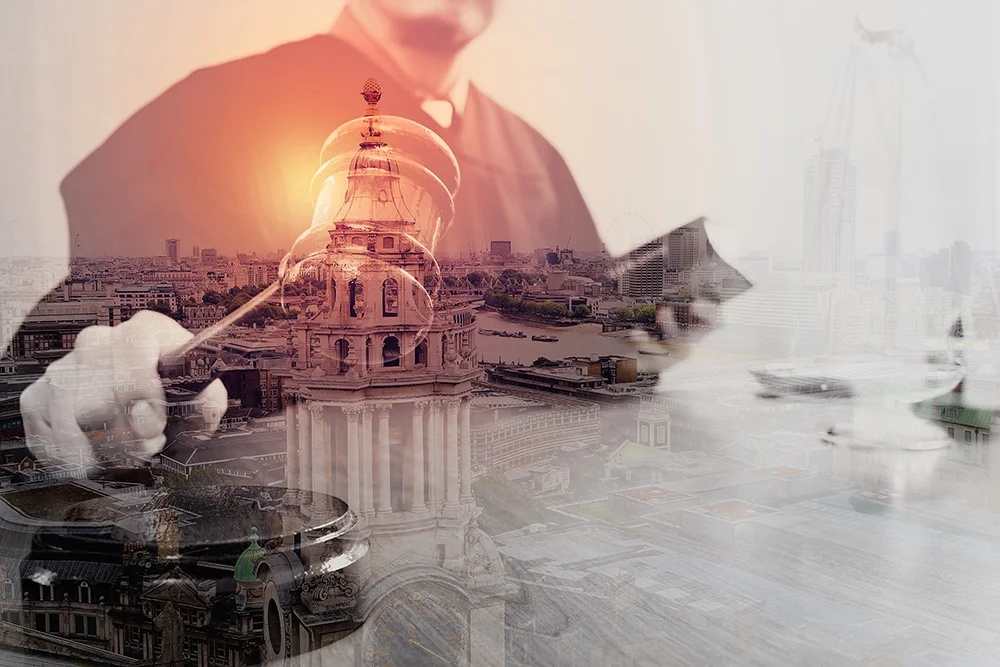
x=348 y=451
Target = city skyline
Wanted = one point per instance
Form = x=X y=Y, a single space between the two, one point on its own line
x=818 y=33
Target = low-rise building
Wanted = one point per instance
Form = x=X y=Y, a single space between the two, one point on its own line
x=189 y=452
x=614 y=368
x=532 y=429
x=134 y=298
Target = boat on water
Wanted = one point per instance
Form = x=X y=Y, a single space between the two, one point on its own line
x=844 y=377
x=545 y=338
x=502 y=334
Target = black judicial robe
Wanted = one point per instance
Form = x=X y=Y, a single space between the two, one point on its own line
x=224 y=158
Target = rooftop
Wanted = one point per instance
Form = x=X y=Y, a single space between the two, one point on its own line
x=734 y=510
x=200 y=449
x=787 y=472
x=53 y=502
x=145 y=288
x=654 y=494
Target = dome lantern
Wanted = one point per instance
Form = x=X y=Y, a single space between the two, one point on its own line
x=247 y=562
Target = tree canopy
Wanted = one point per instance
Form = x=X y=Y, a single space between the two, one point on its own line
x=510 y=304
x=506 y=506
x=208 y=493
x=259 y=316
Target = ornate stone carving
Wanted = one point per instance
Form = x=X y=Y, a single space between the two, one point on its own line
x=471 y=535
x=288 y=635
x=353 y=411
x=476 y=562
x=170 y=624
x=390 y=297
x=383 y=407
x=329 y=591
x=359 y=299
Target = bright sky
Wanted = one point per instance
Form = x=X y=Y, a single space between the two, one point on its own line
x=664 y=110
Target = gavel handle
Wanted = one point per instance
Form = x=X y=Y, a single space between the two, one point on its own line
x=210 y=332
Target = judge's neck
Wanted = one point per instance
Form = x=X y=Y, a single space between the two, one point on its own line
x=433 y=73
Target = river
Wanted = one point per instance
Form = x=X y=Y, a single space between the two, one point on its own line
x=577 y=340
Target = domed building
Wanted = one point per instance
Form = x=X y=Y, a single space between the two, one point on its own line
x=379 y=415
x=249 y=588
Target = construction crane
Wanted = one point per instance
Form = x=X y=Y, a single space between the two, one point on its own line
x=837 y=132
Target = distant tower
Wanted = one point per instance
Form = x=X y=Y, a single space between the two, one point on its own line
x=196 y=253
x=209 y=257
x=500 y=248
x=687 y=247
x=653 y=423
x=828 y=238
x=379 y=416
x=642 y=271
x=173 y=250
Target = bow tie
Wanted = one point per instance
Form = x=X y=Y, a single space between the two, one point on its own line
x=442 y=111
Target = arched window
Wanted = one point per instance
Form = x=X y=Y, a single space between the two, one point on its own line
x=368 y=354
x=390 y=298
x=8 y=589
x=340 y=350
x=444 y=348
x=357 y=240
x=83 y=593
x=388 y=243
x=420 y=354
x=390 y=352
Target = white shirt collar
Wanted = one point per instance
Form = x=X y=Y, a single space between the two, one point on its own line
x=443 y=110
x=347 y=29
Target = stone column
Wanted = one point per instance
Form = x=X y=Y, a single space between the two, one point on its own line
x=367 y=459
x=439 y=451
x=320 y=463
x=291 y=452
x=383 y=498
x=353 y=413
x=451 y=454
x=417 y=502
x=434 y=448
x=466 y=444
x=305 y=454
x=332 y=455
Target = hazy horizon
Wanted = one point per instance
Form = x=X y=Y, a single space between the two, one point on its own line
x=714 y=105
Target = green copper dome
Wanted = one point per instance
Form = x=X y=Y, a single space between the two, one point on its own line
x=247 y=561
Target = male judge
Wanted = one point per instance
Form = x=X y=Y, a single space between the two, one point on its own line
x=223 y=158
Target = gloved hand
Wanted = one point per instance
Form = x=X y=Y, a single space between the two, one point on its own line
x=111 y=380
